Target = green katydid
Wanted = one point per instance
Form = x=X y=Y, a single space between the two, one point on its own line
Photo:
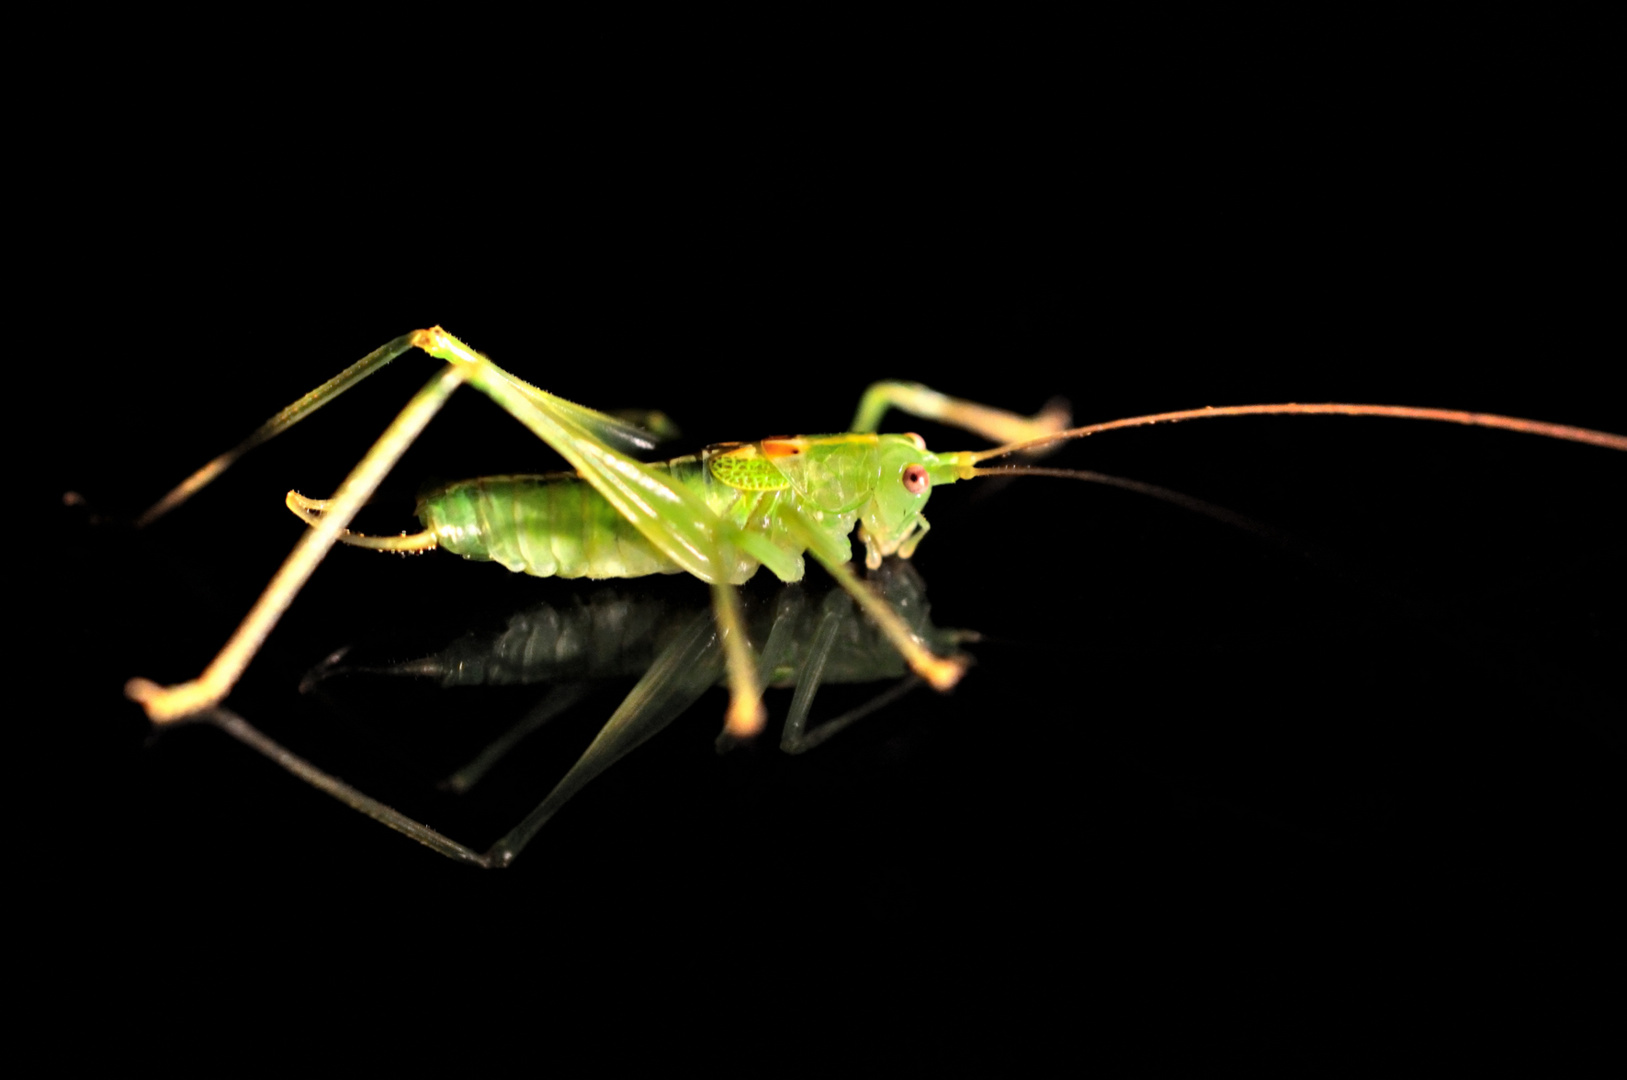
x=716 y=516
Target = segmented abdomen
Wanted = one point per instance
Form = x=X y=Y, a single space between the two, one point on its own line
x=555 y=525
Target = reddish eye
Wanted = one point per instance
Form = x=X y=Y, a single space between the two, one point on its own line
x=915 y=479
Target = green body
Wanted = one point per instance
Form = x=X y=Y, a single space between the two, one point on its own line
x=788 y=492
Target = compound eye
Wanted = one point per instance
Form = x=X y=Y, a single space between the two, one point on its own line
x=916 y=480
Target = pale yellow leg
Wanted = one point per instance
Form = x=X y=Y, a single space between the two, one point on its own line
x=996 y=425
x=941 y=672
x=171 y=703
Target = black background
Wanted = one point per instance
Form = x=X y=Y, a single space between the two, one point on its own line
x=1179 y=738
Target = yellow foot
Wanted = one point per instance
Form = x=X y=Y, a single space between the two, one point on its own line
x=167 y=704
x=746 y=718
x=940 y=673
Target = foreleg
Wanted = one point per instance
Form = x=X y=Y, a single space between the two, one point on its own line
x=996 y=425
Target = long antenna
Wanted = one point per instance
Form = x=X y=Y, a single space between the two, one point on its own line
x=1162 y=494
x=1402 y=412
